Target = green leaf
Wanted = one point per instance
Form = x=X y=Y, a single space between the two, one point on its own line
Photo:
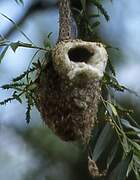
x=101 y=8
x=3 y=41
x=32 y=87
x=14 y=46
x=94 y=15
x=132 y=92
x=28 y=112
x=136 y=148
x=102 y=141
x=113 y=83
x=136 y=160
x=83 y=2
x=19 y=2
x=16 y=97
x=137 y=175
x=17 y=27
x=21 y=76
x=12 y=85
x=133 y=121
x=113 y=109
x=123 y=111
x=97 y=23
x=120 y=172
x=30 y=104
x=3 y=53
x=111 y=67
x=47 y=42
x=6 y=101
x=112 y=154
x=128 y=125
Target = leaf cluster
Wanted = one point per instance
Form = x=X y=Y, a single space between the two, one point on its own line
x=118 y=137
x=24 y=85
x=89 y=22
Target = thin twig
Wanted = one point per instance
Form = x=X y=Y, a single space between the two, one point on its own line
x=32 y=9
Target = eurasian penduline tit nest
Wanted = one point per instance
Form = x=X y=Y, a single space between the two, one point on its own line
x=69 y=88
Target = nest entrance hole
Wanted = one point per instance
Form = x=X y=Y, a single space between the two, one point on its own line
x=79 y=54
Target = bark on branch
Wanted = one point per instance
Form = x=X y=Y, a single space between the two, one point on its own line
x=65 y=20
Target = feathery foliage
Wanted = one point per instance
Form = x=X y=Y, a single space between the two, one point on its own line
x=23 y=85
x=117 y=135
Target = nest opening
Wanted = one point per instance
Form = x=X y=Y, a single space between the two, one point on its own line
x=79 y=54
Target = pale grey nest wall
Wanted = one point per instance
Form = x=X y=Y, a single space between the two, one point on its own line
x=92 y=66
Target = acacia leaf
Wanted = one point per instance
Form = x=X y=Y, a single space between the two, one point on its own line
x=111 y=67
x=16 y=97
x=120 y=172
x=3 y=53
x=102 y=141
x=112 y=154
x=113 y=109
x=128 y=125
x=14 y=46
x=17 y=27
x=83 y=2
x=19 y=2
x=101 y=8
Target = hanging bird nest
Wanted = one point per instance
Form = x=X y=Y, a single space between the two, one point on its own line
x=69 y=88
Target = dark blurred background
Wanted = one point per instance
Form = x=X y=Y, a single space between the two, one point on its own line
x=33 y=152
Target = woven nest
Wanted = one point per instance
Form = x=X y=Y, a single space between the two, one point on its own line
x=69 y=88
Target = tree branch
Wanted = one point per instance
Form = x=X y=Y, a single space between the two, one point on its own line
x=40 y=5
x=65 y=20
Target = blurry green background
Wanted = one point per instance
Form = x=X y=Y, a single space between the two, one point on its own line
x=32 y=152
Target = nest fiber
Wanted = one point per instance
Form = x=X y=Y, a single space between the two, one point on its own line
x=69 y=88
